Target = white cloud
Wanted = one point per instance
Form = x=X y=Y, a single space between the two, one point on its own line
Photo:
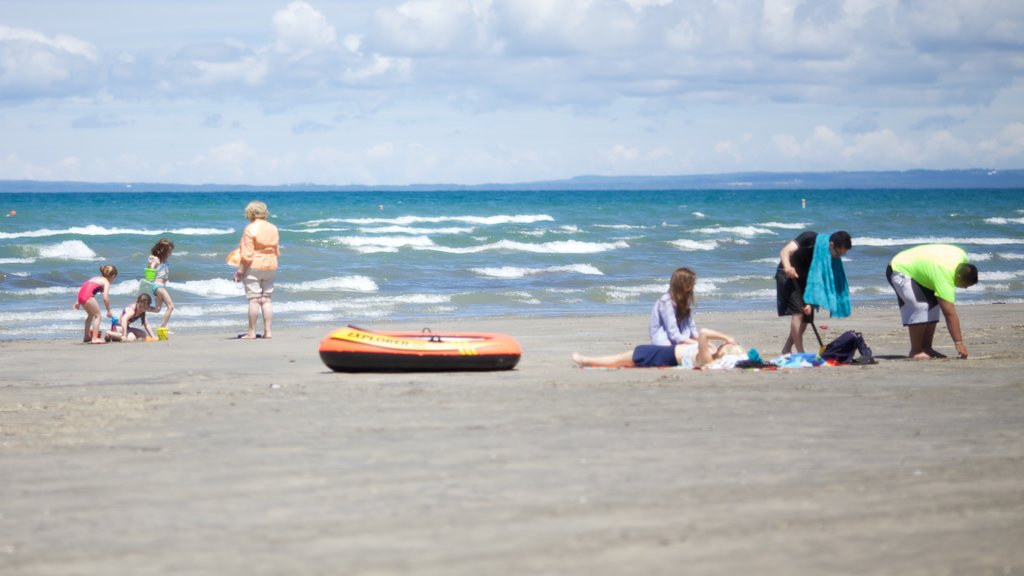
x=300 y=28
x=32 y=63
x=485 y=90
x=428 y=26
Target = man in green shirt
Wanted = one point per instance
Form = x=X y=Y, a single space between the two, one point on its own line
x=925 y=279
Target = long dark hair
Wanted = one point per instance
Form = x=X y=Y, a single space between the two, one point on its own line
x=680 y=290
x=162 y=249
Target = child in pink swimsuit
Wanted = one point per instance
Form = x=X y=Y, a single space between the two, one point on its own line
x=87 y=301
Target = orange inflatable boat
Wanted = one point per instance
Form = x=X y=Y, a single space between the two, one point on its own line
x=353 y=349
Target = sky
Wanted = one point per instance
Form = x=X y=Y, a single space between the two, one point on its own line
x=503 y=91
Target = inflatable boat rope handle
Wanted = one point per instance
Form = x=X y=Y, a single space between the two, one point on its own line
x=432 y=337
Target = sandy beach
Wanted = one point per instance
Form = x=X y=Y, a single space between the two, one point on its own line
x=210 y=455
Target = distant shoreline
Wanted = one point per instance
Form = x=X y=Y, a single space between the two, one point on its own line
x=975 y=178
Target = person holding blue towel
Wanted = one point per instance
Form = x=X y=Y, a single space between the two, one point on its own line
x=810 y=273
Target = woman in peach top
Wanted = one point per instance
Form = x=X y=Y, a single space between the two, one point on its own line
x=257 y=264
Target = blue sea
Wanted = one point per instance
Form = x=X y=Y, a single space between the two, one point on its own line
x=366 y=257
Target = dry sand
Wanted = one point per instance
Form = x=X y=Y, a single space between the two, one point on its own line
x=208 y=455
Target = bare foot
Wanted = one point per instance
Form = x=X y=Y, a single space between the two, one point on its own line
x=920 y=356
x=97 y=341
x=934 y=353
x=578 y=359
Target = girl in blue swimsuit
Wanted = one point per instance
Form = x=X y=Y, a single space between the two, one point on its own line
x=157 y=273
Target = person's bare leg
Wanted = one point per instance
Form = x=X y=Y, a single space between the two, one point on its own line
x=163 y=296
x=254 y=312
x=268 y=315
x=920 y=340
x=797 y=326
x=927 y=343
x=623 y=360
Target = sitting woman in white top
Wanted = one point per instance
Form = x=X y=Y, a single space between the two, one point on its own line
x=672 y=316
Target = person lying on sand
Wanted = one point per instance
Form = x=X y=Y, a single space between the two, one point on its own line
x=697 y=355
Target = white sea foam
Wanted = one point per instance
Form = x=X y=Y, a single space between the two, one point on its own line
x=408 y=220
x=980 y=257
x=698 y=215
x=622 y=227
x=871 y=241
x=996 y=276
x=694 y=245
x=371 y=244
x=42 y=291
x=212 y=288
x=1001 y=221
x=345 y=283
x=765 y=293
x=414 y=230
x=94 y=230
x=516 y=272
x=17 y=260
x=561 y=247
x=629 y=293
x=743 y=278
x=746 y=231
x=793 y=226
x=67 y=250
x=1010 y=256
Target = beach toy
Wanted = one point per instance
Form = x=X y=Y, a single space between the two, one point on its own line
x=151 y=274
x=114 y=323
x=161 y=333
x=234 y=258
x=353 y=349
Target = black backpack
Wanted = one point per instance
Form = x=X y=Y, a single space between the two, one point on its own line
x=848 y=344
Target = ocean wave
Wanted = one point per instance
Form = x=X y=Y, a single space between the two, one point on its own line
x=871 y=241
x=67 y=250
x=17 y=260
x=41 y=291
x=1010 y=256
x=414 y=230
x=344 y=283
x=94 y=230
x=622 y=226
x=695 y=245
x=371 y=244
x=793 y=226
x=632 y=292
x=560 y=247
x=996 y=276
x=516 y=272
x=1001 y=221
x=746 y=231
x=212 y=288
x=408 y=220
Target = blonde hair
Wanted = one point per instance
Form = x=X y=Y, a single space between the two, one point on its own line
x=256 y=210
x=109 y=271
x=730 y=350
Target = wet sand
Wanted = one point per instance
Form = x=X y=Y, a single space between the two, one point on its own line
x=209 y=455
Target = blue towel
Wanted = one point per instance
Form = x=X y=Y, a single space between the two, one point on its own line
x=826 y=281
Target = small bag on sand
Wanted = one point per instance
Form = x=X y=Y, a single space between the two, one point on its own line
x=843 y=349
